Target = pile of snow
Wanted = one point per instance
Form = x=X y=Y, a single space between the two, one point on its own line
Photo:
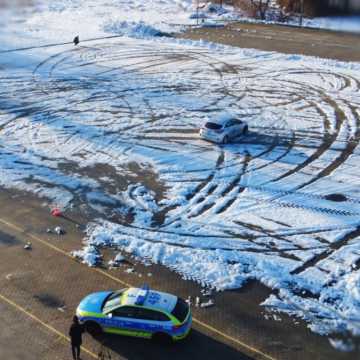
x=211 y=11
x=343 y=23
x=141 y=202
x=89 y=255
x=131 y=29
x=342 y=345
x=216 y=9
x=119 y=258
x=217 y=269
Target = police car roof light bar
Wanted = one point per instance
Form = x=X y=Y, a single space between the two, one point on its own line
x=143 y=293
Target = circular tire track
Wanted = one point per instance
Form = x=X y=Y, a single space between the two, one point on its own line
x=84 y=78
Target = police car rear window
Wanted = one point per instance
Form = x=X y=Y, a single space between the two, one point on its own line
x=181 y=310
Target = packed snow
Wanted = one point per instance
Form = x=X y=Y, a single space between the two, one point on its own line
x=337 y=23
x=110 y=127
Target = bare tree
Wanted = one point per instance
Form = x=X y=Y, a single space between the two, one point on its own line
x=301 y=12
x=245 y=6
x=261 y=7
x=290 y=6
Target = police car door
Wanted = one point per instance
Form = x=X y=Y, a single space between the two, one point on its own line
x=153 y=321
x=123 y=321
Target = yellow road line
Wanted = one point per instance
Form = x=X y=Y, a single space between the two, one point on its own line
x=234 y=340
x=104 y=273
x=49 y=327
x=55 y=248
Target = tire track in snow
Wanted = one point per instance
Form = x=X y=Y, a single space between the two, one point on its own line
x=287 y=93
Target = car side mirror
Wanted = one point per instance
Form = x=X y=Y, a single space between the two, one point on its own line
x=109 y=315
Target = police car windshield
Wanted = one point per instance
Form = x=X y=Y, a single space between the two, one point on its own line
x=112 y=300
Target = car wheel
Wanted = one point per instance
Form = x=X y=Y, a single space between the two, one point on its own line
x=93 y=328
x=162 y=338
x=225 y=139
x=246 y=130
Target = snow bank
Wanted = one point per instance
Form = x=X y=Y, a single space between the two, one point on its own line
x=344 y=23
x=131 y=29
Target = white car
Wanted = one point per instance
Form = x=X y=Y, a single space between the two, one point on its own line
x=223 y=129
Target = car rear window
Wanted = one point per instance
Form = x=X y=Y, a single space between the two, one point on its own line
x=213 y=126
x=181 y=310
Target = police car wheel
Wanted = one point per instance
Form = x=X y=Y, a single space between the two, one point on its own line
x=162 y=338
x=93 y=328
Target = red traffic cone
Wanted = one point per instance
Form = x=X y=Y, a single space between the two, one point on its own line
x=56 y=212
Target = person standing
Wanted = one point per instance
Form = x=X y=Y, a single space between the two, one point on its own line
x=75 y=333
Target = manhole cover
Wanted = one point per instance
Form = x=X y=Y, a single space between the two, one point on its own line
x=336 y=197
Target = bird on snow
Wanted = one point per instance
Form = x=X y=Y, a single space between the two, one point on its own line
x=76 y=40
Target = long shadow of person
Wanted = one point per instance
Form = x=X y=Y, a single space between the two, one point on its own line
x=196 y=346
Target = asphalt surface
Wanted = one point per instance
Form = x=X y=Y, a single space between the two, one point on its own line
x=289 y=40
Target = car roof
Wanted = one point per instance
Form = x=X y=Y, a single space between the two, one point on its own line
x=222 y=118
x=149 y=298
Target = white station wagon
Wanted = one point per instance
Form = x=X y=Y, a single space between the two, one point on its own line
x=223 y=129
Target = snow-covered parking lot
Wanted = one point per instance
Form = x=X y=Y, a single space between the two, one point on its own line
x=111 y=127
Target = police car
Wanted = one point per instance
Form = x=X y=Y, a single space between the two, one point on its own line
x=139 y=312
